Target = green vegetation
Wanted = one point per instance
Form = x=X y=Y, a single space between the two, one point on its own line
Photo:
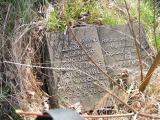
x=53 y=22
x=17 y=12
x=23 y=12
x=111 y=15
x=73 y=9
x=23 y=9
x=158 y=40
x=4 y=105
x=147 y=18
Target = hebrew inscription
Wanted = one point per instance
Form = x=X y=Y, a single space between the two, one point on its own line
x=112 y=48
x=76 y=84
x=119 y=48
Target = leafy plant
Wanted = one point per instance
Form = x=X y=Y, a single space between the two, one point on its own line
x=53 y=21
x=107 y=15
x=158 y=41
x=73 y=9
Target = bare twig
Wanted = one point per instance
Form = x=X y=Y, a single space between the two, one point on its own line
x=149 y=116
x=139 y=35
x=154 y=27
x=6 y=19
x=108 y=116
x=135 y=40
x=8 y=116
x=3 y=40
x=150 y=72
x=28 y=27
x=122 y=115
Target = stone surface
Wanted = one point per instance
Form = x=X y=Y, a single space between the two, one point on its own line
x=119 y=48
x=76 y=85
x=111 y=47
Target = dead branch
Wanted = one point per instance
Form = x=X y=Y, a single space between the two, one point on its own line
x=139 y=36
x=150 y=72
x=154 y=26
x=6 y=18
x=135 y=40
x=108 y=116
x=122 y=115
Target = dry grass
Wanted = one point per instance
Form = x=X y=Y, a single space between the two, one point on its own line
x=23 y=47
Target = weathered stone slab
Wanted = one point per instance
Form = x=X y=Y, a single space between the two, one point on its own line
x=76 y=85
x=119 y=48
x=54 y=50
x=113 y=48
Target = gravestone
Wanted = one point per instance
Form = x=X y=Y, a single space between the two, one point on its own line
x=76 y=85
x=111 y=47
x=119 y=48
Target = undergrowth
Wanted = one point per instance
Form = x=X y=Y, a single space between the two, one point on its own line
x=22 y=12
x=19 y=14
x=110 y=14
x=73 y=9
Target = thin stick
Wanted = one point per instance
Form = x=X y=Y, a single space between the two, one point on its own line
x=3 y=43
x=154 y=27
x=149 y=116
x=6 y=19
x=31 y=113
x=100 y=69
x=122 y=115
x=135 y=40
x=156 y=62
x=108 y=116
x=139 y=35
